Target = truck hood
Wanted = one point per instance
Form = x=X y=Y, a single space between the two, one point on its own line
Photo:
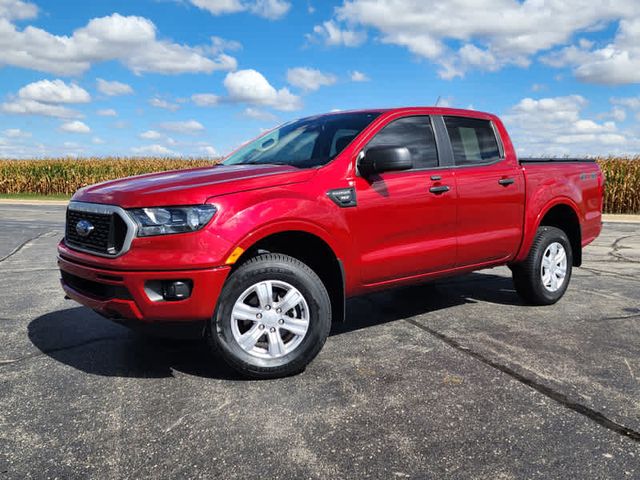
x=189 y=187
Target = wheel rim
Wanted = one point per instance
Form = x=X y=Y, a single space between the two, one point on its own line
x=270 y=319
x=554 y=267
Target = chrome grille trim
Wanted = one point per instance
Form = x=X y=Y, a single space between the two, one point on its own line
x=132 y=227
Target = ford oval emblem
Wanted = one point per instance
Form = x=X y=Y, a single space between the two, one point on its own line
x=84 y=228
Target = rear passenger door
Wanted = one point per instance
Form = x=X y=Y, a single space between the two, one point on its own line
x=404 y=223
x=490 y=192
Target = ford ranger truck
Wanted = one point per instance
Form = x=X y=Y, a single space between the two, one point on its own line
x=260 y=252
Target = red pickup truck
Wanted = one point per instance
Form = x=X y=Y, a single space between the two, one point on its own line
x=261 y=251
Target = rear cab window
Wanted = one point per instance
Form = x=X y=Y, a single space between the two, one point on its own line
x=473 y=141
x=414 y=133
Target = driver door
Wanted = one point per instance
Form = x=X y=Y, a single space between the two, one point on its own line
x=405 y=221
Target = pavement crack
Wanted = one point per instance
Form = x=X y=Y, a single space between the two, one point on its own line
x=616 y=247
x=25 y=243
x=624 y=317
x=547 y=391
x=633 y=375
x=598 y=272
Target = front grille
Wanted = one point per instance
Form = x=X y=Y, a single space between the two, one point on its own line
x=99 y=239
x=107 y=237
x=101 y=291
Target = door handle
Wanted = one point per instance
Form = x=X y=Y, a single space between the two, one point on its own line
x=439 y=189
x=506 y=181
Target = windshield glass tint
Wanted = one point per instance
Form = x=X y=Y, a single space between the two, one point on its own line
x=305 y=143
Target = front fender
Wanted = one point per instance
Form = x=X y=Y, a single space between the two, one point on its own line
x=246 y=218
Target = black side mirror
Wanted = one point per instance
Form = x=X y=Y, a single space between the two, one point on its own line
x=384 y=159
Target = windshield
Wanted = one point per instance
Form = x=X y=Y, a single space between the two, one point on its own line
x=305 y=143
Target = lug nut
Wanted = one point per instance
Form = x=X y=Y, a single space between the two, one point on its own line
x=258 y=316
x=272 y=329
x=268 y=307
x=281 y=321
x=261 y=327
x=278 y=310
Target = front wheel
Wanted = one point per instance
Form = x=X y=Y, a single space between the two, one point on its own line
x=273 y=317
x=544 y=276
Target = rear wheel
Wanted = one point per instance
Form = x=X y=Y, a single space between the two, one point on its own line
x=273 y=317
x=544 y=276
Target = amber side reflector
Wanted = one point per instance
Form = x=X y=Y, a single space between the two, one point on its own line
x=235 y=255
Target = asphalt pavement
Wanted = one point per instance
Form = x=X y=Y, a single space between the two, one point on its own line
x=453 y=379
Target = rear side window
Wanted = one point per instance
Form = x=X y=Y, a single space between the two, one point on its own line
x=473 y=140
x=416 y=134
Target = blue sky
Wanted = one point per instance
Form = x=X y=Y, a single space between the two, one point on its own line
x=198 y=77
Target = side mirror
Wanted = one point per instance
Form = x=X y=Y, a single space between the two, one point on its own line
x=384 y=159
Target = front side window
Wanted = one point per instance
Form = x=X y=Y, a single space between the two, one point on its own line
x=309 y=142
x=414 y=133
x=473 y=140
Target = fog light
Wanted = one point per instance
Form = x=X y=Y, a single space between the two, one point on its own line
x=173 y=290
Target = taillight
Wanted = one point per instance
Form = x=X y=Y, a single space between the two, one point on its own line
x=602 y=179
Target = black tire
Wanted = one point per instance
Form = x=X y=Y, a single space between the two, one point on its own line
x=275 y=267
x=527 y=276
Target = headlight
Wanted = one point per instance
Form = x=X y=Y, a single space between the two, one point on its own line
x=168 y=220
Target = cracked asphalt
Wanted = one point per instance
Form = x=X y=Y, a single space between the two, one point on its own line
x=453 y=379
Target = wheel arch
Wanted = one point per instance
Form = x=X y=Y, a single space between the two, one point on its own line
x=562 y=214
x=564 y=217
x=310 y=247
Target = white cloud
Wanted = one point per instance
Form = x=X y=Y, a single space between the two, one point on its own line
x=433 y=29
x=54 y=91
x=97 y=141
x=616 y=63
x=154 y=150
x=113 y=88
x=160 y=103
x=75 y=126
x=250 y=86
x=17 y=10
x=271 y=9
x=15 y=133
x=209 y=151
x=47 y=98
x=107 y=112
x=31 y=107
x=219 y=7
x=618 y=114
x=630 y=102
x=219 y=44
x=357 y=76
x=186 y=127
x=556 y=126
x=131 y=40
x=258 y=114
x=205 y=99
x=331 y=34
x=309 y=79
x=151 y=135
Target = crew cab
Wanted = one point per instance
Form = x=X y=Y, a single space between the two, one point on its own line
x=260 y=252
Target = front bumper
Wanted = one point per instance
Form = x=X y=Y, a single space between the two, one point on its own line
x=121 y=295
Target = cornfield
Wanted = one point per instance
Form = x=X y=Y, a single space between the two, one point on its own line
x=622 y=191
x=64 y=176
